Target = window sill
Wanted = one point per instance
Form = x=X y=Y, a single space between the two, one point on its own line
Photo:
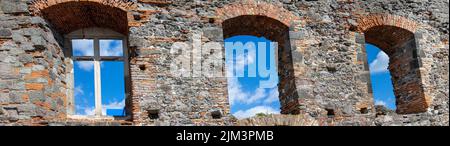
x=99 y=118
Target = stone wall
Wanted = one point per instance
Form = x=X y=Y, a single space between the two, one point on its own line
x=322 y=65
x=33 y=83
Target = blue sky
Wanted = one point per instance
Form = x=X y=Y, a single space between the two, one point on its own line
x=112 y=78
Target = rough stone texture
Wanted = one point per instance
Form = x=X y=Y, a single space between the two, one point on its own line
x=322 y=63
x=32 y=69
x=279 y=120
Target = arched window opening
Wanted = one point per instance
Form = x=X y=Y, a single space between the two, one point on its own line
x=256 y=28
x=247 y=94
x=93 y=35
x=402 y=52
x=380 y=77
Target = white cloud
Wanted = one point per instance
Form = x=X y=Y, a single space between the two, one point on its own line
x=111 y=48
x=78 y=90
x=242 y=61
x=85 y=65
x=245 y=59
x=90 y=111
x=380 y=64
x=259 y=94
x=83 y=47
x=380 y=102
x=273 y=96
x=241 y=114
x=113 y=105
x=238 y=95
x=235 y=91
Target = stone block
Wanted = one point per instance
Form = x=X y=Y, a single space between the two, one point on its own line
x=5 y=33
x=27 y=46
x=9 y=45
x=4 y=98
x=360 y=39
x=25 y=58
x=34 y=86
x=17 y=97
x=297 y=57
x=213 y=33
x=7 y=71
x=296 y=35
x=38 y=42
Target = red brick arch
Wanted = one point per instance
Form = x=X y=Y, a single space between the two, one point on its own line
x=262 y=19
x=386 y=30
x=374 y=20
x=38 y=5
x=250 y=7
x=70 y=15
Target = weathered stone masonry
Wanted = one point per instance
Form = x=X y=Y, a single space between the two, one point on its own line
x=324 y=77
